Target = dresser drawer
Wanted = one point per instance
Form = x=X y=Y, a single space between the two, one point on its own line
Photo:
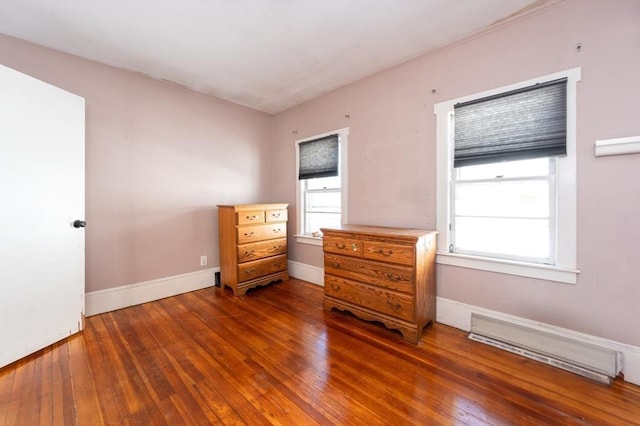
x=244 y=218
x=276 y=215
x=258 y=268
x=393 y=277
x=250 y=234
x=389 y=252
x=374 y=298
x=262 y=249
x=346 y=246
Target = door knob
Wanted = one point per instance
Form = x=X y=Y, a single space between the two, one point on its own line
x=79 y=223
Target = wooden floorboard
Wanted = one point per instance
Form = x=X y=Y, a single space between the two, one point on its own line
x=275 y=357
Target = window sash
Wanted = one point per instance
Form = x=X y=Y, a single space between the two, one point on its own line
x=310 y=208
x=515 y=228
x=315 y=221
x=529 y=122
x=313 y=216
x=550 y=218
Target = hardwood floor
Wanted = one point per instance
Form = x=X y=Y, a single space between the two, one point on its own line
x=274 y=357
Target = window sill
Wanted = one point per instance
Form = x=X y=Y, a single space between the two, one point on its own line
x=306 y=239
x=542 y=272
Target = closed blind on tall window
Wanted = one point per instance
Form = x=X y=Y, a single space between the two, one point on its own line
x=318 y=158
x=526 y=123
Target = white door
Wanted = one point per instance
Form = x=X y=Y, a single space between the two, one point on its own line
x=41 y=195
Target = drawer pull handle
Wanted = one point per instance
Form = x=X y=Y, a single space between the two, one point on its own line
x=249 y=271
x=276 y=229
x=385 y=252
x=335 y=287
x=248 y=234
x=254 y=217
x=394 y=305
x=277 y=265
x=340 y=246
x=249 y=253
x=275 y=214
x=392 y=277
x=334 y=265
x=354 y=247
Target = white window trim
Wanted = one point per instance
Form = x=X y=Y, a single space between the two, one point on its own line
x=343 y=138
x=565 y=271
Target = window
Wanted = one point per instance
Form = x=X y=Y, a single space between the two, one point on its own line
x=506 y=179
x=321 y=173
x=505 y=210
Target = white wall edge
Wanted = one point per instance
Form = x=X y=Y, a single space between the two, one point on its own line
x=618 y=146
x=97 y=302
x=312 y=274
x=458 y=315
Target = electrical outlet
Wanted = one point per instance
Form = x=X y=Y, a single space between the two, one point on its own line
x=203 y=260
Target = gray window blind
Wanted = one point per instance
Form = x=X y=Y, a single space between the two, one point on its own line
x=526 y=123
x=318 y=158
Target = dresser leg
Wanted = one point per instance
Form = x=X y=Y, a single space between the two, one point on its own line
x=240 y=291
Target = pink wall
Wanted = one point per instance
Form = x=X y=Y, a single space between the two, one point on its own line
x=392 y=156
x=159 y=159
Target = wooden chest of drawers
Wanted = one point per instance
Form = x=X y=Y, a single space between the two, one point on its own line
x=382 y=274
x=253 y=245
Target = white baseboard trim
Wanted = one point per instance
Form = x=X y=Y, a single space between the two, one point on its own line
x=97 y=302
x=312 y=274
x=458 y=315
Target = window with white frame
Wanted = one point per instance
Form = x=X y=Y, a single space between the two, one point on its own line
x=506 y=179
x=321 y=184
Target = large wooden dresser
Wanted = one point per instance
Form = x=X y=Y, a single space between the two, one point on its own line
x=253 y=245
x=382 y=274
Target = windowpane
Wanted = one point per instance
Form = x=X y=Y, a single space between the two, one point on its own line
x=515 y=237
x=503 y=209
x=321 y=183
x=509 y=169
x=526 y=198
x=315 y=221
x=323 y=202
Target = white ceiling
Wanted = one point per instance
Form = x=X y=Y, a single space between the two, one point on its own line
x=266 y=54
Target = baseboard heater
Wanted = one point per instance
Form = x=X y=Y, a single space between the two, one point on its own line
x=588 y=360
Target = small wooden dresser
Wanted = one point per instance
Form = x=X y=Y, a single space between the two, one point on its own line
x=253 y=245
x=382 y=274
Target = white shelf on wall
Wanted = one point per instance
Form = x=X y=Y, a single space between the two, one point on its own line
x=618 y=146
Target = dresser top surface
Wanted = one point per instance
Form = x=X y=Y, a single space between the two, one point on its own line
x=253 y=207
x=379 y=231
